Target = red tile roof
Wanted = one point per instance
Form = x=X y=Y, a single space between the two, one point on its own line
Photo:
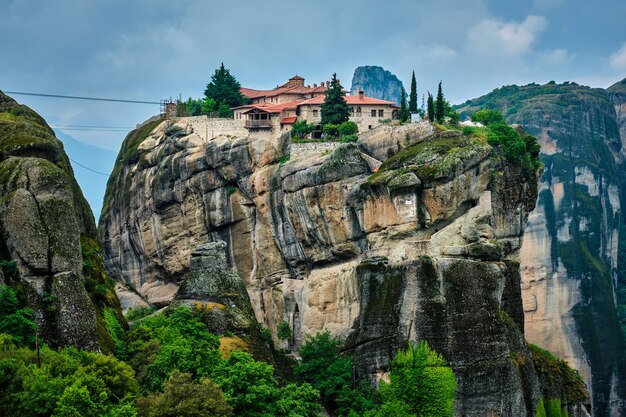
x=270 y=108
x=289 y=120
x=351 y=100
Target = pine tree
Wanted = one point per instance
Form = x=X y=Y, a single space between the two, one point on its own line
x=224 y=88
x=404 y=112
x=430 y=108
x=335 y=109
x=440 y=106
x=413 y=95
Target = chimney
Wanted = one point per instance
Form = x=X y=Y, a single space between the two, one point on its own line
x=327 y=84
x=361 y=94
x=314 y=85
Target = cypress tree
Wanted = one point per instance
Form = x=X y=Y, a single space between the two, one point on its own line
x=440 y=106
x=430 y=108
x=404 y=112
x=335 y=109
x=224 y=88
x=413 y=95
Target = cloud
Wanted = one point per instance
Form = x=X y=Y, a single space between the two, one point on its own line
x=618 y=59
x=495 y=37
x=441 y=53
x=556 y=56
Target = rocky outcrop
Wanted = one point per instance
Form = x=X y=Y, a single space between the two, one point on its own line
x=569 y=259
x=422 y=246
x=47 y=234
x=377 y=82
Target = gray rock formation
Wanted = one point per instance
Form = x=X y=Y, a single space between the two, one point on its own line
x=424 y=248
x=378 y=83
x=570 y=263
x=47 y=231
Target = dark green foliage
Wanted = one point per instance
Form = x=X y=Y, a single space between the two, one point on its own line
x=224 y=110
x=335 y=109
x=557 y=379
x=348 y=128
x=117 y=332
x=138 y=313
x=413 y=95
x=404 y=111
x=183 y=397
x=193 y=107
x=301 y=129
x=486 y=117
x=440 y=108
x=297 y=401
x=332 y=375
x=393 y=408
x=504 y=137
x=349 y=138
x=430 y=108
x=15 y=321
x=421 y=379
x=225 y=90
x=284 y=331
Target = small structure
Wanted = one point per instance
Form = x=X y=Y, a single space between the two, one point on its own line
x=266 y=116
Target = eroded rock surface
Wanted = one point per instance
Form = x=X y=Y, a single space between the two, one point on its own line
x=424 y=248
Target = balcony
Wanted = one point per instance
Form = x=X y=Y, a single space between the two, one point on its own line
x=258 y=124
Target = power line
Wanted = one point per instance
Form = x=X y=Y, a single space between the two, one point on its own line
x=87 y=168
x=82 y=98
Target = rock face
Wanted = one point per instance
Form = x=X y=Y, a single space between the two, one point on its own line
x=423 y=248
x=569 y=259
x=47 y=232
x=378 y=83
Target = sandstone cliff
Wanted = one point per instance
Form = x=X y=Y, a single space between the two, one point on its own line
x=378 y=83
x=569 y=258
x=47 y=234
x=423 y=246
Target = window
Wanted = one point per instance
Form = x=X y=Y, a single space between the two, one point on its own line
x=381 y=113
x=358 y=110
x=314 y=113
x=373 y=113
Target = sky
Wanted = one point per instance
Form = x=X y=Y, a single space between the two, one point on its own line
x=150 y=50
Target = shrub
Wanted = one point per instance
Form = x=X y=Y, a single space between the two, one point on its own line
x=348 y=128
x=15 y=321
x=331 y=130
x=138 y=313
x=284 y=331
x=504 y=137
x=301 y=129
x=487 y=117
x=421 y=378
x=349 y=138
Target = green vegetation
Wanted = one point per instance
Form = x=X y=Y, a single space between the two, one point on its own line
x=284 y=331
x=335 y=109
x=486 y=117
x=15 y=320
x=413 y=95
x=301 y=129
x=421 y=379
x=440 y=108
x=404 y=111
x=430 y=108
x=558 y=380
x=224 y=90
x=196 y=107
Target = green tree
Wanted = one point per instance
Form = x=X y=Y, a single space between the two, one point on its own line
x=297 y=401
x=348 y=128
x=413 y=95
x=208 y=105
x=224 y=110
x=404 y=111
x=430 y=108
x=224 y=88
x=335 y=109
x=440 y=107
x=504 y=137
x=14 y=320
x=284 y=331
x=183 y=397
x=487 y=117
x=421 y=378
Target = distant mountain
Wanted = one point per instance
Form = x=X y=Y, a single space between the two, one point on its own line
x=377 y=82
x=92 y=166
x=573 y=259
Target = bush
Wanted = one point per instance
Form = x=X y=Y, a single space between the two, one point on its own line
x=139 y=312
x=504 y=137
x=331 y=130
x=348 y=128
x=487 y=117
x=284 y=331
x=421 y=378
x=301 y=129
x=15 y=321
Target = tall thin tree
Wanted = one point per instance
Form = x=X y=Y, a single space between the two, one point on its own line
x=413 y=95
x=430 y=108
x=440 y=105
x=404 y=111
x=335 y=109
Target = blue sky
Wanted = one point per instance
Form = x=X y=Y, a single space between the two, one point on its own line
x=152 y=49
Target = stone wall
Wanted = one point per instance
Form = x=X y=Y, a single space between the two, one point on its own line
x=208 y=128
x=302 y=150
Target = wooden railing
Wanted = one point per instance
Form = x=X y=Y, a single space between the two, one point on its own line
x=258 y=124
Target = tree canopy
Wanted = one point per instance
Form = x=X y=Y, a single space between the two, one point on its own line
x=404 y=111
x=224 y=89
x=440 y=106
x=430 y=108
x=335 y=109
